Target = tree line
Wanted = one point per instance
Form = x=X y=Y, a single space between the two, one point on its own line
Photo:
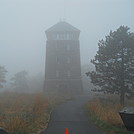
x=20 y=81
x=114 y=66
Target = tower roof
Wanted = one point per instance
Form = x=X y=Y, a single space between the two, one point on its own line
x=62 y=26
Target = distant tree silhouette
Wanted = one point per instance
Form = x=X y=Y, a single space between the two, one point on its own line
x=114 y=64
x=3 y=72
x=20 y=82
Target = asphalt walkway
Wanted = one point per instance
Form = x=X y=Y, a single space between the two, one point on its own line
x=71 y=115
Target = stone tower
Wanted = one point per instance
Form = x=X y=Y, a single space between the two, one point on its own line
x=62 y=66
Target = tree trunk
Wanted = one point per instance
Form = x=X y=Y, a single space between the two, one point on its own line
x=122 y=97
x=122 y=91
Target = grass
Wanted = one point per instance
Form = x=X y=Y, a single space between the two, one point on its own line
x=25 y=113
x=104 y=113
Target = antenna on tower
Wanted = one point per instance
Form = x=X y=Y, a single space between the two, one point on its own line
x=60 y=19
x=63 y=18
x=64 y=10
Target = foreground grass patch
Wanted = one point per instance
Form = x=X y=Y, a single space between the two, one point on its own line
x=25 y=113
x=104 y=114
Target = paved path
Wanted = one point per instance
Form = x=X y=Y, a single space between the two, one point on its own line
x=71 y=115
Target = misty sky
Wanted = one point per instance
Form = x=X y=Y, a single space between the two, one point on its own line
x=23 y=24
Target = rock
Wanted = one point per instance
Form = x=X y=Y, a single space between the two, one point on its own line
x=128 y=110
x=127 y=115
x=3 y=131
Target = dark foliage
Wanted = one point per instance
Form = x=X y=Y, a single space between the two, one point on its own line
x=20 y=82
x=114 y=64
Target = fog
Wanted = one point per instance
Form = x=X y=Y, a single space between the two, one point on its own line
x=23 y=24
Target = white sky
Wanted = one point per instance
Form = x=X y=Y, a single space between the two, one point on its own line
x=23 y=22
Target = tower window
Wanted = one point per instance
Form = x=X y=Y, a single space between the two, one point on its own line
x=57 y=73
x=62 y=36
x=57 y=60
x=57 y=37
x=71 y=36
x=68 y=73
x=68 y=60
x=67 y=36
x=57 y=86
x=68 y=47
x=54 y=36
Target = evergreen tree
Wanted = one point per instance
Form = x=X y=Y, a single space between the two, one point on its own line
x=114 y=64
x=20 y=82
x=2 y=76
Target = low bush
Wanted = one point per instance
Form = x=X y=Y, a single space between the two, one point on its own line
x=24 y=113
x=104 y=112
